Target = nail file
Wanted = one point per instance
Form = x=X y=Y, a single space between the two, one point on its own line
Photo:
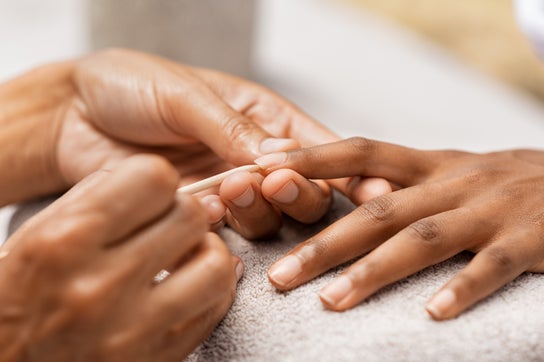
x=215 y=180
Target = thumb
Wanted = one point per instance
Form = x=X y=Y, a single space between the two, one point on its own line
x=231 y=135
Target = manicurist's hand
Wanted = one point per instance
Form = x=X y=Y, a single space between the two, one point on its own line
x=490 y=204
x=77 y=284
x=64 y=121
x=203 y=121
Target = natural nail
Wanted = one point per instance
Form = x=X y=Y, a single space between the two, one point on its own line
x=441 y=303
x=285 y=270
x=333 y=293
x=270 y=145
x=245 y=199
x=287 y=194
x=270 y=160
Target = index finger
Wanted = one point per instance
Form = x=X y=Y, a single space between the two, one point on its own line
x=355 y=156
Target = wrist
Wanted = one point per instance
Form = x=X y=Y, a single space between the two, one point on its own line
x=31 y=111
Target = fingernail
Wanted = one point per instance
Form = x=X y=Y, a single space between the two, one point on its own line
x=440 y=304
x=3 y=254
x=270 y=145
x=239 y=270
x=333 y=293
x=215 y=208
x=245 y=199
x=272 y=159
x=286 y=270
x=287 y=194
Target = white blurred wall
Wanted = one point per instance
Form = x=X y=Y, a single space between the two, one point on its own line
x=34 y=31
x=353 y=71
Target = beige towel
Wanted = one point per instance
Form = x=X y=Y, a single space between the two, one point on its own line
x=266 y=325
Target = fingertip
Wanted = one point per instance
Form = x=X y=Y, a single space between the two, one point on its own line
x=271 y=160
x=280 y=187
x=283 y=273
x=215 y=208
x=362 y=190
x=235 y=185
x=335 y=294
x=271 y=145
x=442 y=305
x=239 y=267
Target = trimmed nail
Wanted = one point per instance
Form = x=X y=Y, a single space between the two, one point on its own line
x=286 y=270
x=287 y=194
x=333 y=293
x=441 y=303
x=272 y=159
x=245 y=199
x=214 y=207
x=239 y=270
x=270 y=145
x=3 y=254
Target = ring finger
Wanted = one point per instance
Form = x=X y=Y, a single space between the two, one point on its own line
x=425 y=242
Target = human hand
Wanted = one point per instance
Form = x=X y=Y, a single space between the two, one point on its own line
x=77 y=284
x=490 y=204
x=202 y=121
x=63 y=121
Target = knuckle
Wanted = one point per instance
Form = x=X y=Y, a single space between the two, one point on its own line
x=361 y=145
x=115 y=345
x=52 y=242
x=482 y=173
x=82 y=294
x=236 y=126
x=379 y=209
x=500 y=258
x=427 y=231
x=466 y=283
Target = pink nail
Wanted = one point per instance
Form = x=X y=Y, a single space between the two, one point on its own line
x=270 y=160
x=286 y=270
x=287 y=194
x=245 y=199
x=333 y=293
x=441 y=303
x=270 y=145
x=239 y=270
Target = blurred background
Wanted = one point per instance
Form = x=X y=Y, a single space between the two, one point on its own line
x=425 y=73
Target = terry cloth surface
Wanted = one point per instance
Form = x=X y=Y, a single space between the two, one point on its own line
x=266 y=325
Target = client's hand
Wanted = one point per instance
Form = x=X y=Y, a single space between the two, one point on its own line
x=490 y=204
x=78 y=285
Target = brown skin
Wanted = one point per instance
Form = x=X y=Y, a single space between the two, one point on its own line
x=77 y=283
x=70 y=119
x=448 y=201
x=69 y=282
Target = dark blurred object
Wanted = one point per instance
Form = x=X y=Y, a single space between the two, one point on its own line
x=210 y=33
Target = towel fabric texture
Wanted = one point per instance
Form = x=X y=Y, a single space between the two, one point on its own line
x=267 y=325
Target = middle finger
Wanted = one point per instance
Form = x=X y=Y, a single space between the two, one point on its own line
x=359 y=232
x=423 y=243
